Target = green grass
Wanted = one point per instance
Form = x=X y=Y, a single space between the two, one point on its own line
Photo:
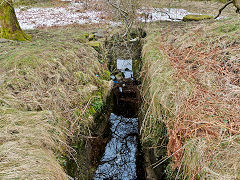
x=48 y=88
x=37 y=3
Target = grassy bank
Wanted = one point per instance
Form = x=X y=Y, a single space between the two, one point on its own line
x=192 y=94
x=50 y=90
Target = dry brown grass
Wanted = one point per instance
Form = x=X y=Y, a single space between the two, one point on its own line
x=192 y=71
x=46 y=93
x=27 y=143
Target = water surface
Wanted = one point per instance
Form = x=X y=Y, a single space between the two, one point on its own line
x=119 y=160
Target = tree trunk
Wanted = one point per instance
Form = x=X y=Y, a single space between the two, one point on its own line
x=9 y=26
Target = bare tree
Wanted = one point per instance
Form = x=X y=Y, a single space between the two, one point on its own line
x=9 y=26
x=126 y=10
x=236 y=3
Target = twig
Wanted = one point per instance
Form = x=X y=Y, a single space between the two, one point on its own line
x=6 y=2
x=220 y=10
x=156 y=164
x=124 y=13
x=167 y=15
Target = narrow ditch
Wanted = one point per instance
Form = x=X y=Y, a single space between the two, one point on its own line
x=123 y=157
x=115 y=151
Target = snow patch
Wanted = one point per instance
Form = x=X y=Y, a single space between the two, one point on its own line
x=74 y=14
x=164 y=14
x=46 y=17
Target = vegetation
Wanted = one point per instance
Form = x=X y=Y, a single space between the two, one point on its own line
x=126 y=12
x=51 y=89
x=196 y=17
x=10 y=28
x=49 y=93
x=191 y=83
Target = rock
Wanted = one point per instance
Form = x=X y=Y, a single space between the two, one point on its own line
x=99 y=34
x=91 y=37
x=119 y=76
x=94 y=44
x=112 y=77
x=194 y=17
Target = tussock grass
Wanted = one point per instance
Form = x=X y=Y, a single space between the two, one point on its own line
x=47 y=94
x=191 y=83
x=28 y=140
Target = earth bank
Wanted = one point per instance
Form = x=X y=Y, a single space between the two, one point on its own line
x=50 y=91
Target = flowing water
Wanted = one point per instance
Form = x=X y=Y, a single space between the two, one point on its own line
x=119 y=160
x=121 y=157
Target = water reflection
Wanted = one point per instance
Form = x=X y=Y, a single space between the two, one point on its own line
x=119 y=161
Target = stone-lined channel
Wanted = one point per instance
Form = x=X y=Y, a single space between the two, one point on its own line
x=122 y=156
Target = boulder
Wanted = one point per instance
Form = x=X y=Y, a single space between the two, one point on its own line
x=195 y=17
x=91 y=37
x=94 y=44
x=99 y=34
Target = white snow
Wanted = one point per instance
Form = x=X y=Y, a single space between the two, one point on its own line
x=46 y=17
x=33 y=18
x=164 y=14
x=125 y=66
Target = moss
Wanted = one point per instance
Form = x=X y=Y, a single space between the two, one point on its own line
x=91 y=37
x=106 y=75
x=95 y=44
x=119 y=76
x=10 y=28
x=82 y=38
x=96 y=105
x=86 y=35
x=92 y=110
x=136 y=68
x=192 y=17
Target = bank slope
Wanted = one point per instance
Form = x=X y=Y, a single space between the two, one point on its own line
x=50 y=90
x=191 y=95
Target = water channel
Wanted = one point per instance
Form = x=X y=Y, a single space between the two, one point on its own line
x=121 y=157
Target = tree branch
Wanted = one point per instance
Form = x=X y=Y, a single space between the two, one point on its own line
x=124 y=13
x=174 y=19
x=220 y=10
